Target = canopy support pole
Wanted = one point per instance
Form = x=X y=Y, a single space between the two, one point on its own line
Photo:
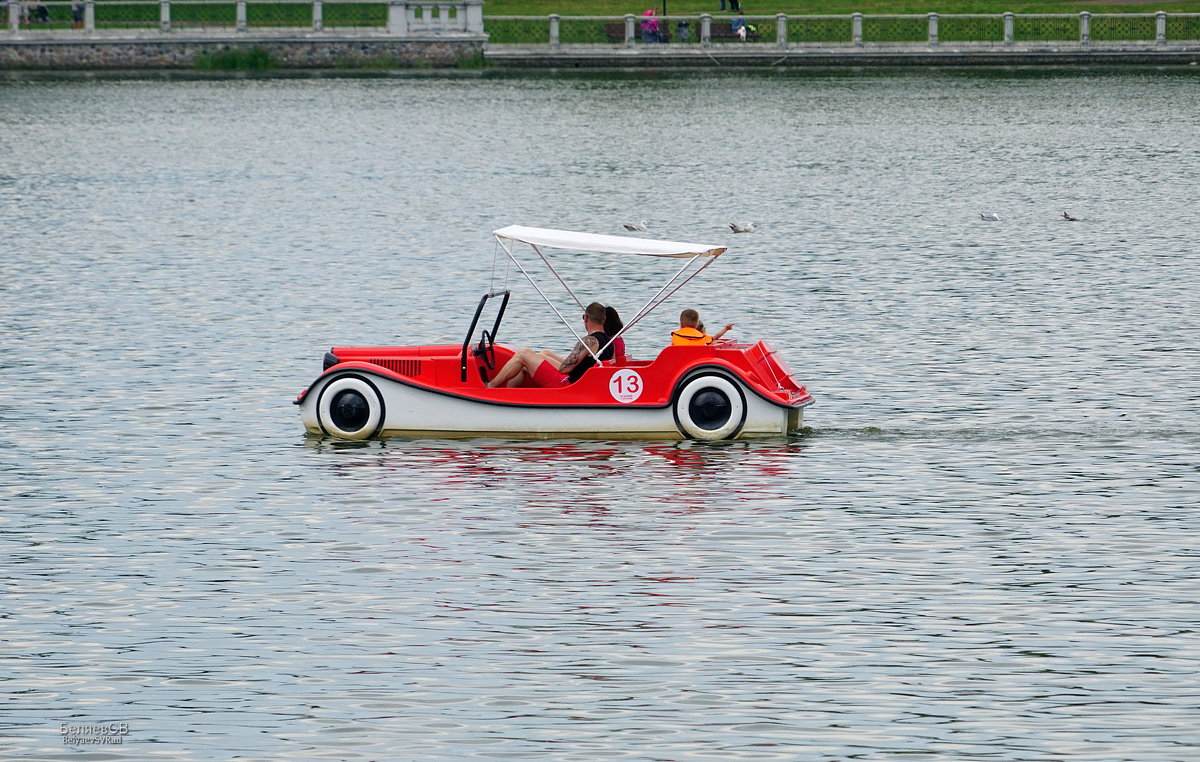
x=659 y=297
x=545 y=298
x=669 y=289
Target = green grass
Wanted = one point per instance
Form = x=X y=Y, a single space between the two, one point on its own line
x=374 y=15
x=803 y=26
x=336 y=15
x=476 y=61
x=828 y=7
x=236 y=59
x=524 y=21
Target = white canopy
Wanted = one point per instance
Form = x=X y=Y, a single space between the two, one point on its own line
x=606 y=244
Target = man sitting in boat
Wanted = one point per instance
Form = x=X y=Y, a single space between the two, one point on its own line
x=548 y=370
x=691 y=330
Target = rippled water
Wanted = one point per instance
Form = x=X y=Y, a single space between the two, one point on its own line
x=983 y=548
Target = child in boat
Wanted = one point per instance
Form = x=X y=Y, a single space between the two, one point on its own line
x=691 y=333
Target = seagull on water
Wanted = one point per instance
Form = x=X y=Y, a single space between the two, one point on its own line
x=747 y=228
x=1069 y=217
x=990 y=217
x=636 y=227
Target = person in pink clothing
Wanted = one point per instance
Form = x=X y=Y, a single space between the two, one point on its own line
x=613 y=326
x=649 y=27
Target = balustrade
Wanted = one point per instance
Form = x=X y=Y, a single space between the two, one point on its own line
x=420 y=18
x=402 y=18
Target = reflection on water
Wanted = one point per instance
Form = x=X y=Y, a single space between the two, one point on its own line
x=980 y=550
x=579 y=476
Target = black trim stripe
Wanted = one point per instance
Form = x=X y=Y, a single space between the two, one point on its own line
x=687 y=374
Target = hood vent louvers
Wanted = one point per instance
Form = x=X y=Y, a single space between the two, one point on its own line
x=401 y=366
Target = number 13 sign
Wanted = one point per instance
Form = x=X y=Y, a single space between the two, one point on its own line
x=625 y=385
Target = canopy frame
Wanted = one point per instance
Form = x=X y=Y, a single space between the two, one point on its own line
x=537 y=238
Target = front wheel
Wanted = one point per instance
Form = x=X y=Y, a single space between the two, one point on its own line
x=350 y=407
x=710 y=407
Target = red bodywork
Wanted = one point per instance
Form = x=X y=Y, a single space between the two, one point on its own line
x=439 y=369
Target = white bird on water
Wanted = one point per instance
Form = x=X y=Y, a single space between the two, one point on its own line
x=1069 y=217
x=990 y=217
x=747 y=228
x=636 y=227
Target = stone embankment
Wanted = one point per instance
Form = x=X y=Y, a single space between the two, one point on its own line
x=63 y=51
x=663 y=56
x=429 y=34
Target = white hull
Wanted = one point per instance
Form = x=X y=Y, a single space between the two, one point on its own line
x=415 y=411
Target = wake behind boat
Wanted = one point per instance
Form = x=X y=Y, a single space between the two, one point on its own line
x=723 y=390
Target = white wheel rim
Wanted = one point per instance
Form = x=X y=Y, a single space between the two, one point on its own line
x=737 y=408
x=328 y=418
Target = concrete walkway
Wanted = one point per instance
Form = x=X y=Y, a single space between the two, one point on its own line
x=300 y=48
x=766 y=55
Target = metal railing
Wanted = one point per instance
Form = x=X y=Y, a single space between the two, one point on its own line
x=428 y=17
x=395 y=17
x=782 y=30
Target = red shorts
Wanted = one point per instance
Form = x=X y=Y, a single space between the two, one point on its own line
x=547 y=376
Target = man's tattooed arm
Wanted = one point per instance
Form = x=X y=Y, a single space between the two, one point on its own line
x=578 y=353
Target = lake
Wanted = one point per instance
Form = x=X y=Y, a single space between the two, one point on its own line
x=982 y=547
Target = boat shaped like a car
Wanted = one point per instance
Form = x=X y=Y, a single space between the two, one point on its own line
x=723 y=390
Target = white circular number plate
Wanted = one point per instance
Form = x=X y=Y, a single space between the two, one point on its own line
x=625 y=385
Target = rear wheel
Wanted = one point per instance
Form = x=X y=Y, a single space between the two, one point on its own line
x=710 y=407
x=350 y=407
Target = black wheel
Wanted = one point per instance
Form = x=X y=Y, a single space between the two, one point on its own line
x=710 y=407
x=350 y=407
x=349 y=410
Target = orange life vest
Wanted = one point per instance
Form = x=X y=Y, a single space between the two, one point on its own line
x=690 y=337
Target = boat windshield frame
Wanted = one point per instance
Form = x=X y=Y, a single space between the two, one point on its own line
x=539 y=238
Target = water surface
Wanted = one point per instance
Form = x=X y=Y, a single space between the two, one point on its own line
x=982 y=547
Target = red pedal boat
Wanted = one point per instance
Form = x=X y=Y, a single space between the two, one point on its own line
x=724 y=390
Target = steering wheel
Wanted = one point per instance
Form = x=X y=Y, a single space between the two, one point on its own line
x=486 y=349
